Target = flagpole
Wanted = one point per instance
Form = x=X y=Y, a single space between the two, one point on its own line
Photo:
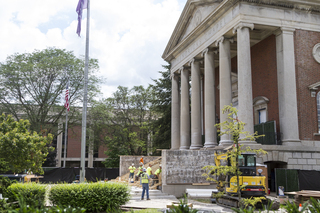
x=65 y=140
x=85 y=100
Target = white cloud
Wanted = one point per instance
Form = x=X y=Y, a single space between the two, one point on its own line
x=128 y=37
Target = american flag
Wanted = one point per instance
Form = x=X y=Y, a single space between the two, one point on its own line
x=66 y=105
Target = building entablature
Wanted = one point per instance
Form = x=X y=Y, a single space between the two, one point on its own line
x=202 y=23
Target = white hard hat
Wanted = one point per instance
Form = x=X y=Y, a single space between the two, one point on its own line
x=133 y=164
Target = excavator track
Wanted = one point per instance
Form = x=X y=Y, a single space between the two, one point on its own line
x=233 y=202
x=228 y=201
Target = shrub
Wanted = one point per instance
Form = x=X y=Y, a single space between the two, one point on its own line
x=33 y=194
x=94 y=197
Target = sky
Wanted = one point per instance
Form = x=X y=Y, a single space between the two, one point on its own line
x=128 y=37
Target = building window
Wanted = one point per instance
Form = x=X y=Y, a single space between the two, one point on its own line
x=262 y=113
x=260 y=107
x=318 y=110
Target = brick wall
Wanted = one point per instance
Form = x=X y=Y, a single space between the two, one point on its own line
x=264 y=75
x=307 y=73
x=74 y=142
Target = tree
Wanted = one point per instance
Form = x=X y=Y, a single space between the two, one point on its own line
x=161 y=105
x=234 y=127
x=21 y=149
x=122 y=122
x=33 y=86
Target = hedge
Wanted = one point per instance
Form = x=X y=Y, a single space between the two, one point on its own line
x=94 y=197
x=33 y=194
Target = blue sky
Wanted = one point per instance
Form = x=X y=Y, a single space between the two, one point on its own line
x=128 y=37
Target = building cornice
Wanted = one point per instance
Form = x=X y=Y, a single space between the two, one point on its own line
x=173 y=47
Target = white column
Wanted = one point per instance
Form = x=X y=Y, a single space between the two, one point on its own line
x=245 y=113
x=209 y=100
x=175 y=112
x=287 y=92
x=185 y=110
x=196 y=142
x=59 y=145
x=225 y=86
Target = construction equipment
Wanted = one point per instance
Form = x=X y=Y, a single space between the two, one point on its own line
x=251 y=185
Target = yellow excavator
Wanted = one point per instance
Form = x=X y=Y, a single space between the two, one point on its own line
x=251 y=184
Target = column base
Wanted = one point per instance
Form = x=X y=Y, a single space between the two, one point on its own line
x=210 y=144
x=225 y=143
x=184 y=147
x=195 y=147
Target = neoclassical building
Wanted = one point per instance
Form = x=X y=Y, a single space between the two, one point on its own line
x=262 y=56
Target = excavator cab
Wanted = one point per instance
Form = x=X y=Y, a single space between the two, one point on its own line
x=247 y=164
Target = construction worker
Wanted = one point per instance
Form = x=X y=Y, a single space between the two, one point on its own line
x=131 y=170
x=158 y=171
x=141 y=160
x=149 y=171
x=140 y=171
x=145 y=184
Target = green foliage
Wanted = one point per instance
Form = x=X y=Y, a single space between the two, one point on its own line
x=124 y=122
x=5 y=182
x=293 y=208
x=94 y=197
x=23 y=207
x=182 y=207
x=314 y=206
x=34 y=83
x=32 y=194
x=234 y=127
x=252 y=201
x=161 y=104
x=21 y=149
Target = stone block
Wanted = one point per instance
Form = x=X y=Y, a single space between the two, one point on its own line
x=307 y=143
x=296 y=155
x=297 y=166
x=275 y=155
x=318 y=161
x=302 y=161
x=292 y=161
x=315 y=155
x=306 y=155
x=286 y=156
x=316 y=167
x=312 y=161
x=307 y=167
x=290 y=166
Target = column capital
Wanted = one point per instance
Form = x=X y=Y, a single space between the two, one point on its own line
x=242 y=25
x=222 y=39
x=287 y=30
x=207 y=50
x=193 y=60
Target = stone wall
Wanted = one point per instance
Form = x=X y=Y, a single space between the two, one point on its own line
x=185 y=166
x=127 y=160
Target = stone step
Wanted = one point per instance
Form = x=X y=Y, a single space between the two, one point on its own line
x=154 y=194
x=154 y=197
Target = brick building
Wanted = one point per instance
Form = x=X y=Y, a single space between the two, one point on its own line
x=93 y=158
x=263 y=57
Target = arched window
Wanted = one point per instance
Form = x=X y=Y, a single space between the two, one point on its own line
x=260 y=107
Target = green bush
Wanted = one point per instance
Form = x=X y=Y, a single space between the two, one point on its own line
x=94 y=197
x=5 y=182
x=33 y=194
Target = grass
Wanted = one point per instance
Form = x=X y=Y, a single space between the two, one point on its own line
x=202 y=200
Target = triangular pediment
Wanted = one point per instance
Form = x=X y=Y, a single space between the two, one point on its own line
x=199 y=14
x=194 y=13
